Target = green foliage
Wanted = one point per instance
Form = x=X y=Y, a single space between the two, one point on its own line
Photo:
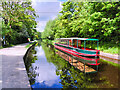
x=18 y=22
x=87 y=20
x=30 y=44
x=49 y=29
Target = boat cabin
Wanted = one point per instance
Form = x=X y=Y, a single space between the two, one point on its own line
x=77 y=42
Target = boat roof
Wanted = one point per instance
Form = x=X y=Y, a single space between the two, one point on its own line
x=88 y=39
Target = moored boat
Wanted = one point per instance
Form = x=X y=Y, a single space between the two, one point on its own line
x=74 y=47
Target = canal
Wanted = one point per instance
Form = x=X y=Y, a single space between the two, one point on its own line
x=47 y=69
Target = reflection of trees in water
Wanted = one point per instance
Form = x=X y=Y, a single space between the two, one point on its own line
x=32 y=74
x=30 y=58
x=70 y=77
x=39 y=43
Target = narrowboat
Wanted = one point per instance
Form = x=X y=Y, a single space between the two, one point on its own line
x=77 y=47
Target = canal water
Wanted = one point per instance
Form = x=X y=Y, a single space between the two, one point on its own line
x=47 y=69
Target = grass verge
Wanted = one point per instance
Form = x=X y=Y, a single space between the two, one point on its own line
x=1 y=47
x=30 y=44
x=109 y=48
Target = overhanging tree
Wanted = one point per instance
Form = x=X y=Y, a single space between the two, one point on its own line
x=20 y=18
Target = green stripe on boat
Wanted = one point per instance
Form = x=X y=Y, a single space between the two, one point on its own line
x=78 y=50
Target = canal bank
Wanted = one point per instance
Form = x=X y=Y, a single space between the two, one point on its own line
x=46 y=69
x=110 y=57
x=13 y=68
x=14 y=73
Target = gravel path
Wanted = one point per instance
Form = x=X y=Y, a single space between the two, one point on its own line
x=12 y=66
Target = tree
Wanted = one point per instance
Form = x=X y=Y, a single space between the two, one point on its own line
x=89 y=20
x=20 y=18
x=50 y=29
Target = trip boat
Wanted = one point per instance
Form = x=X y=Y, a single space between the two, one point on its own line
x=77 y=47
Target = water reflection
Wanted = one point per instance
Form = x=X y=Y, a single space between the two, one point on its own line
x=76 y=62
x=30 y=58
x=46 y=69
x=70 y=77
x=41 y=73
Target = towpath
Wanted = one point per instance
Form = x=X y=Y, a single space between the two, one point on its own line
x=12 y=66
x=110 y=57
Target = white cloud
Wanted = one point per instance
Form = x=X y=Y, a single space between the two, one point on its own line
x=41 y=26
x=61 y=4
x=34 y=3
x=46 y=10
x=47 y=72
x=39 y=49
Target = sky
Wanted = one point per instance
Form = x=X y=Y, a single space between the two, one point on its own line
x=46 y=10
x=47 y=71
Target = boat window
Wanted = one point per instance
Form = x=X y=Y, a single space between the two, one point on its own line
x=91 y=44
